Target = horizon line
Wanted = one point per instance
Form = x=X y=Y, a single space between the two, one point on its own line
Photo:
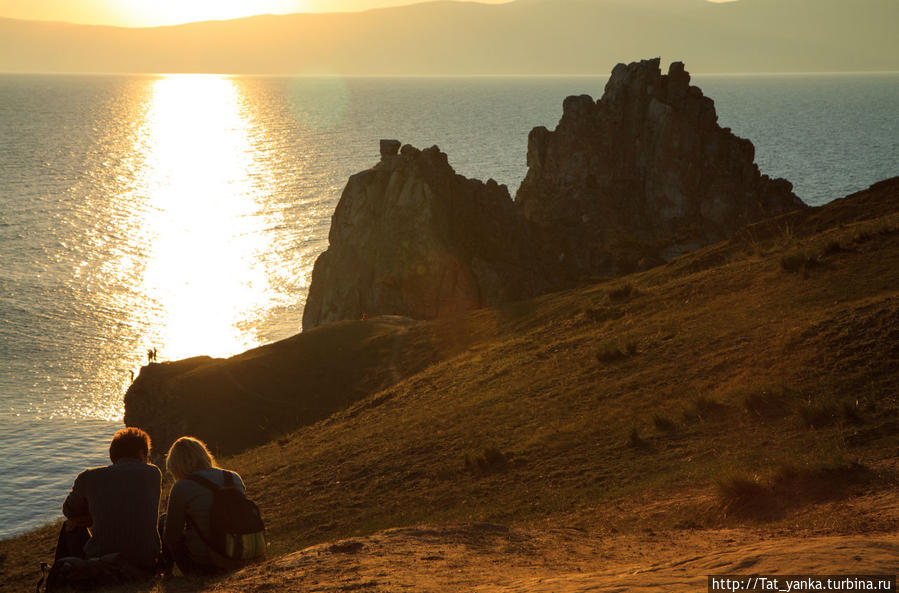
x=420 y=76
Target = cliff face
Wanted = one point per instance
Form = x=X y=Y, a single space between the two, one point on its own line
x=642 y=175
x=624 y=183
x=850 y=246
x=257 y=396
x=410 y=237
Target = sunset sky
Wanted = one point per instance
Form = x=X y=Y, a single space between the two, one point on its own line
x=444 y=38
x=145 y=13
x=151 y=13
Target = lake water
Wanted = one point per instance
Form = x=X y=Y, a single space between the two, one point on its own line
x=185 y=213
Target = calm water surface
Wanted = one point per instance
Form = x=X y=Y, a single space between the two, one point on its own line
x=185 y=212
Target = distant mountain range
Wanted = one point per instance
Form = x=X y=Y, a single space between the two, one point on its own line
x=468 y=38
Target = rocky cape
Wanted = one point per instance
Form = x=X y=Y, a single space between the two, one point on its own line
x=411 y=237
x=253 y=397
x=786 y=333
x=623 y=183
x=642 y=175
x=352 y=367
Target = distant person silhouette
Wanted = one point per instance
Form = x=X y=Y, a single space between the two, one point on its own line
x=120 y=505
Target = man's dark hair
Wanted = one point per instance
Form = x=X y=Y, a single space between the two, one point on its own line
x=129 y=442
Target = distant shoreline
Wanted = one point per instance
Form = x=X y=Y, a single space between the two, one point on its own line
x=527 y=37
x=452 y=76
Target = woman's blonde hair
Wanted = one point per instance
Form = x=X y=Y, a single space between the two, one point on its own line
x=188 y=455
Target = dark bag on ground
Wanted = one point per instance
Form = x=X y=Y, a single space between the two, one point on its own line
x=71 y=573
x=236 y=530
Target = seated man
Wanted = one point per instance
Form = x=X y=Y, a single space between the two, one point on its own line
x=119 y=503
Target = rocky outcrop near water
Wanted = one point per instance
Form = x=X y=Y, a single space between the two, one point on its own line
x=622 y=184
x=642 y=175
x=346 y=369
x=411 y=237
x=254 y=397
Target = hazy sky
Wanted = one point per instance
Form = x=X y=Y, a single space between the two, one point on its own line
x=527 y=37
x=150 y=13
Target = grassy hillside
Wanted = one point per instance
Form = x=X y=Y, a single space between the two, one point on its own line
x=751 y=384
x=645 y=395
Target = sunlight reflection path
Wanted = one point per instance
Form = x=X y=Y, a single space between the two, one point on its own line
x=206 y=227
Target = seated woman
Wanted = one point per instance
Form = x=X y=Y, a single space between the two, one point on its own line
x=187 y=529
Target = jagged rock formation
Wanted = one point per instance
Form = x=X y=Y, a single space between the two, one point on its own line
x=411 y=237
x=642 y=175
x=258 y=396
x=624 y=183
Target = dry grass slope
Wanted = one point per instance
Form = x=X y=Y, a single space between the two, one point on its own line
x=741 y=381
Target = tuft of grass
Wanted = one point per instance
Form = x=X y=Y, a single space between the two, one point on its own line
x=703 y=408
x=832 y=247
x=635 y=441
x=872 y=232
x=663 y=423
x=688 y=523
x=787 y=234
x=744 y=496
x=824 y=481
x=602 y=314
x=616 y=349
x=790 y=487
x=851 y=412
x=489 y=461
x=800 y=261
x=821 y=414
x=769 y=402
x=621 y=293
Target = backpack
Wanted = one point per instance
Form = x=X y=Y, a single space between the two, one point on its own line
x=236 y=530
x=71 y=573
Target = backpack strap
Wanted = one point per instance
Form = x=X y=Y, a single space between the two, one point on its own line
x=203 y=482
x=202 y=537
x=229 y=481
x=228 y=477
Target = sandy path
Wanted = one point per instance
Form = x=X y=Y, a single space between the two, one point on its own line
x=491 y=558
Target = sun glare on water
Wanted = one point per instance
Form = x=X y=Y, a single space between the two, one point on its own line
x=205 y=229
